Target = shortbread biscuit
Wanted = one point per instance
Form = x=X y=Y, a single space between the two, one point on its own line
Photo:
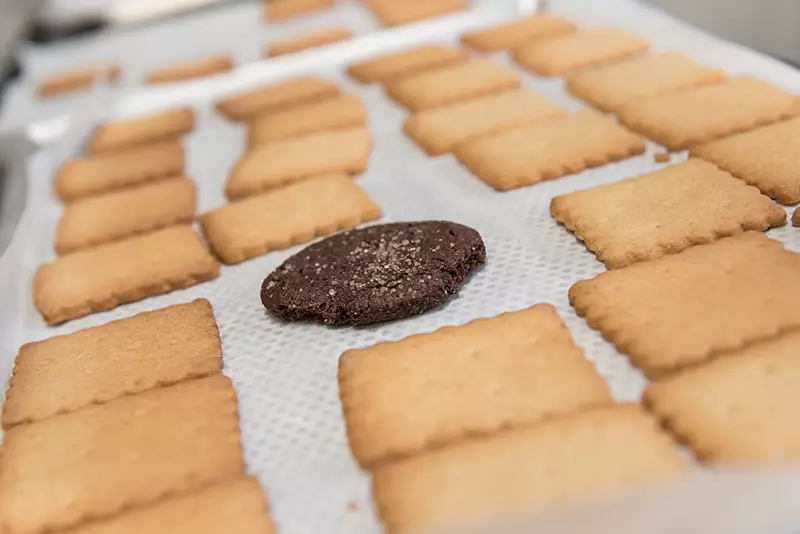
x=681 y=309
x=737 y=408
x=515 y=33
x=277 y=97
x=595 y=452
x=82 y=177
x=278 y=10
x=190 y=70
x=232 y=506
x=439 y=130
x=452 y=83
x=334 y=113
x=281 y=162
x=468 y=380
x=120 y=214
x=133 y=451
x=308 y=40
x=610 y=87
x=101 y=278
x=126 y=133
x=394 y=13
x=96 y=365
x=560 y=55
x=287 y=216
x=548 y=149
x=764 y=157
x=397 y=64
x=74 y=80
x=688 y=118
x=664 y=212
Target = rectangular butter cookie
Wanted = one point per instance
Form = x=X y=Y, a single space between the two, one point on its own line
x=560 y=55
x=281 y=162
x=394 y=13
x=513 y=34
x=695 y=116
x=547 y=149
x=120 y=214
x=684 y=308
x=190 y=70
x=308 y=40
x=610 y=87
x=232 y=506
x=97 y=365
x=592 y=453
x=133 y=451
x=468 y=380
x=764 y=157
x=126 y=133
x=278 y=10
x=462 y=81
x=663 y=212
x=438 y=130
x=83 y=177
x=738 y=408
x=75 y=80
x=334 y=113
x=397 y=64
x=276 y=97
x=101 y=278
x=287 y=216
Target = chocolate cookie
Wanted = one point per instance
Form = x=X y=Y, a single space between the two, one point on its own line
x=375 y=274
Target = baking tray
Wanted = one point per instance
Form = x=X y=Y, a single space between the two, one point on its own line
x=285 y=374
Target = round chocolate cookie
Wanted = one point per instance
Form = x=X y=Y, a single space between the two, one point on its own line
x=375 y=274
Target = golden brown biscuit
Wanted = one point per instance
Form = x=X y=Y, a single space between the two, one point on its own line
x=126 y=133
x=397 y=64
x=278 y=10
x=96 y=365
x=515 y=33
x=276 y=97
x=77 y=79
x=394 y=13
x=133 y=451
x=101 y=278
x=308 y=40
x=120 y=214
x=190 y=70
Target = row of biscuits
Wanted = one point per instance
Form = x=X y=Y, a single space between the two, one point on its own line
x=127 y=427
x=388 y=12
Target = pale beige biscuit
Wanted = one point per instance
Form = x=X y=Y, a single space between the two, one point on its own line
x=397 y=64
x=513 y=34
x=308 y=40
x=278 y=163
x=96 y=365
x=190 y=70
x=278 y=10
x=684 y=308
x=610 y=87
x=66 y=82
x=394 y=13
x=334 y=113
x=101 y=278
x=232 y=506
x=560 y=55
x=439 y=130
x=468 y=380
x=765 y=157
x=120 y=214
x=664 y=212
x=694 y=116
x=547 y=149
x=739 y=408
x=591 y=453
x=452 y=83
x=82 y=177
x=287 y=216
x=276 y=97
x=133 y=451
x=125 y=133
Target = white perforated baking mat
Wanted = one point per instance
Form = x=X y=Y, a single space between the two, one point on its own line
x=285 y=374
